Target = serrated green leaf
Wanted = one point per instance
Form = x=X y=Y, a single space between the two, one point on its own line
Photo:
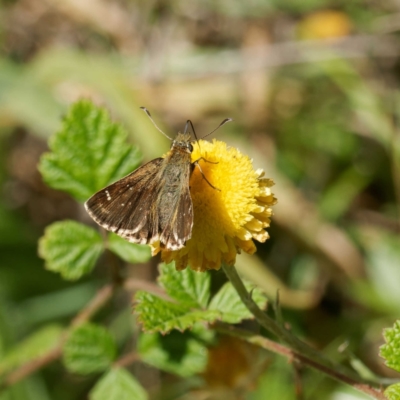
x=70 y=248
x=178 y=353
x=228 y=302
x=89 y=152
x=129 y=252
x=390 y=351
x=158 y=315
x=89 y=348
x=188 y=287
x=32 y=347
x=118 y=384
x=392 y=392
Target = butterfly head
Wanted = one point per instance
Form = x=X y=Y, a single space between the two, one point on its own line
x=182 y=142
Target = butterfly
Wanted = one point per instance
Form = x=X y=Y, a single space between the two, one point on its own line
x=152 y=203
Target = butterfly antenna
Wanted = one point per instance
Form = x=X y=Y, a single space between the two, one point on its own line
x=189 y=122
x=186 y=127
x=152 y=120
x=225 y=121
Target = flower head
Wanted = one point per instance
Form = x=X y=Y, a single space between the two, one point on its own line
x=228 y=216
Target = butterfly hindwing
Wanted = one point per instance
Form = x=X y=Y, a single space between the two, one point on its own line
x=176 y=224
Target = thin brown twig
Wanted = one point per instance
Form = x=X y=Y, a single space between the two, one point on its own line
x=298 y=350
x=32 y=366
x=127 y=359
x=98 y=301
x=102 y=296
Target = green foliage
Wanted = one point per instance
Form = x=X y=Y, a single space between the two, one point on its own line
x=89 y=348
x=89 y=152
x=390 y=351
x=129 y=252
x=118 y=384
x=331 y=127
x=189 y=306
x=158 y=315
x=231 y=307
x=183 y=354
x=393 y=392
x=70 y=249
x=32 y=347
x=187 y=287
x=274 y=383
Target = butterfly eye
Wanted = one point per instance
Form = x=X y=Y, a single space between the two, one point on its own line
x=190 y=147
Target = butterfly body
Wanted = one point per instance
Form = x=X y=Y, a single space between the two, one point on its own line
x=153 y=202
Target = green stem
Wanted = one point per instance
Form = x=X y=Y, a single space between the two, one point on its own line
x=298 y=349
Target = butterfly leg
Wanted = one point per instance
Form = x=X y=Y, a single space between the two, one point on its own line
x=196 y=163
x=202 y=158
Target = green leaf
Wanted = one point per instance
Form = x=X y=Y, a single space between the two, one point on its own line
x=158 y=315
x=129 y=252
x=228 y=302
x=32 y=347
x=179 y=353
x=89 y=348
x=392 y=392
x=70 y=248
x=390 y=351
x=189 y=287
x=118 y=384
x=89 y=152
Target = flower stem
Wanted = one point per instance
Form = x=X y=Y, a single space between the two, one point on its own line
x=298 y=349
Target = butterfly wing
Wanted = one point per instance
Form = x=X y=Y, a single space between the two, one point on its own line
x=176 y=209
x=128 y=207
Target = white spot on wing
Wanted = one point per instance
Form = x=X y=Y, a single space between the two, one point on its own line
x=108 y=195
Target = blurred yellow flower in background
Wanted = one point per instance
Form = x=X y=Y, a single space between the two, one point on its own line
x=226 y=219
x=325 y=24
x=232 y=367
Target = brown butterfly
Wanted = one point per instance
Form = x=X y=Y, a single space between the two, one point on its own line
x=153 y=202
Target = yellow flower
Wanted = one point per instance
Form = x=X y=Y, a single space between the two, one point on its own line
x=225 y=220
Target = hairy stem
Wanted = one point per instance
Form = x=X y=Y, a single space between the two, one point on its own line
x=297 y=349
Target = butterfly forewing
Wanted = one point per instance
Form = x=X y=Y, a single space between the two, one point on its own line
x=152 y=203
x=125 y=206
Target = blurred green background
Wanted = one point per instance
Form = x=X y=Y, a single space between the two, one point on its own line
x=312 y=87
